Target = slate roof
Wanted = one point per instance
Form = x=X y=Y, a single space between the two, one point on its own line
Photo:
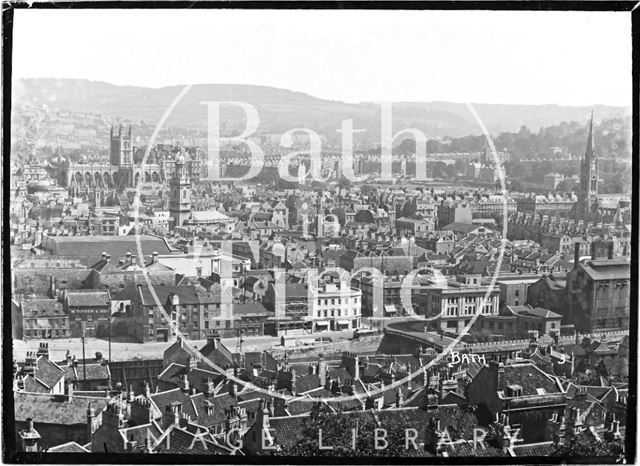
x=533 y=449
x=88 y=298
x=608 y=269
x=32 y=307
x=529 y=377
x=163 y=399
x=540 y=312
x=220 y=404
x=288 y=430
x=465 y=449
x=307 y=382
x=69 y=447
x=141 y=433
x=45 y=377
x=460 y=227
x=44 y=408
x=196 y=377
x=116 y=246
x=94 y=371
x=187 y=295
x=181 y=441
x=250 y=309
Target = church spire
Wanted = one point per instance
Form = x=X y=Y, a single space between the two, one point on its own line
x=589 y=156
x=588 y=194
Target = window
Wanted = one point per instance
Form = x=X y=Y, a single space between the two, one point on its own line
x=517 y=293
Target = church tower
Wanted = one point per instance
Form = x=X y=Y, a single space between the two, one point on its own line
x=180 y=194
x=121 y=147
x=588 y=188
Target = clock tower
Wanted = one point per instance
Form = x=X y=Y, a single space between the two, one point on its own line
x=180 y=193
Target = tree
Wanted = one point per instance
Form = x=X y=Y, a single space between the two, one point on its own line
x=578 y=446
x=337 y=430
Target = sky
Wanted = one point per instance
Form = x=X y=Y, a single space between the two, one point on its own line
x=566 y=58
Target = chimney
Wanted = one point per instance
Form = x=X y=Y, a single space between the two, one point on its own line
x=29 y=363
x=193 y=363
x=154 y=254
x=293 y=381
x=132 y=444
x=93 y=422
x=576 y=254
x=263 y=413
x=213 y=338
x=43 y=350
x=29 y=437
x=128 y=256
x=104 y=256
x=184 y=383
x=209 y=388
x=108 y=259
x=399 y=397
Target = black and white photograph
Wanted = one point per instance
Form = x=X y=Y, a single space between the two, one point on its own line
x=319 y=233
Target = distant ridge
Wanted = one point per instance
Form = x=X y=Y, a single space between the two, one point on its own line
x=281 y=109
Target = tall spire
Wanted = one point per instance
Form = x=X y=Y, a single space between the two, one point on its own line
x=588 y=193
x=590 y=145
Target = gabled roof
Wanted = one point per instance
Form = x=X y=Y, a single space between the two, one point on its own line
x=69 y=447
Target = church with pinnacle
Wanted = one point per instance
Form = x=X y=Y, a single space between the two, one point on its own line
x=586 y=207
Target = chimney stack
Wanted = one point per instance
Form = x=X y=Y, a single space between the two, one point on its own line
x=29 y=437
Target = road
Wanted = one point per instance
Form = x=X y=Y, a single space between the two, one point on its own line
x=127 y=350
x=416 y=330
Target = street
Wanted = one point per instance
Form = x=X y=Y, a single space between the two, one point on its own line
x=128 y=350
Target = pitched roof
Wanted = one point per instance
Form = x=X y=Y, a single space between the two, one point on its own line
x=32 y=307
x=529 y=377
x=460 y=227
x=540 y=312
x=47 y=409
x=88 y=298
x=116 y=246
x=93 y=371
x=69 y=447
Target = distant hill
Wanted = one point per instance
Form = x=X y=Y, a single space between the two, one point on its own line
x=281 y=109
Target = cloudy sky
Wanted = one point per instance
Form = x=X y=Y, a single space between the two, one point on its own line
x=571 y=58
